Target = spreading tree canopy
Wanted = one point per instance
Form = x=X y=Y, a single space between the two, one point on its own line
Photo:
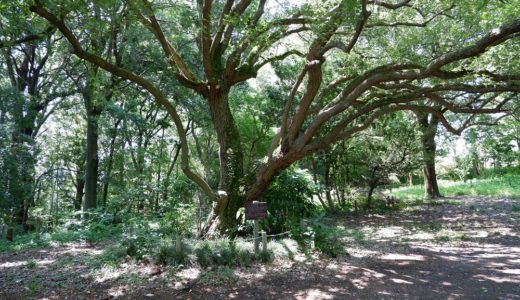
x=350 y=62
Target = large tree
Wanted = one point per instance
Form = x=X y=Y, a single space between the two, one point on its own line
x=354 y=61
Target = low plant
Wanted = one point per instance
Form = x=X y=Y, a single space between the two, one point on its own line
x=167 y=254
x=315 y=234
x=31 y=264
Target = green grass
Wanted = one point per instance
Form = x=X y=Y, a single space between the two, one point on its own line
x=505 y=186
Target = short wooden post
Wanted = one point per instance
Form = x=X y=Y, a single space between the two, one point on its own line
x=255 y=235
x=178 y=244
x=264 y=241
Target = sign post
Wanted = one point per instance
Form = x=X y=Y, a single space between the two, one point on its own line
x=255 y=211
x=255 y=235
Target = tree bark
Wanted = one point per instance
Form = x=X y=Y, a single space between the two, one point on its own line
x=80 y=189
x=110 y=164
x=315 y=179
x=328 y=186
x=371 y=189
x=428 y=125
x=92 y=161
x=231 y=181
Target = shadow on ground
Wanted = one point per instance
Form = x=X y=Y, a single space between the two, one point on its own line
x=466 y=248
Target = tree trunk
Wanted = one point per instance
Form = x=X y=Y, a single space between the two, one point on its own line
x=231 y=185
x=371 y=189
x=328 y=186
x=23 y=181
x=475 y=169
x=110 y=163
x=315 y=179
x=93 y=95
x=92 y=161
x=428 y=125
x=80 y=189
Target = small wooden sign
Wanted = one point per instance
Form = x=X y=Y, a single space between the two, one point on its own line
x=256 y=210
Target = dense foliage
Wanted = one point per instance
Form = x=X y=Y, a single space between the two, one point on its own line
x=169 y=116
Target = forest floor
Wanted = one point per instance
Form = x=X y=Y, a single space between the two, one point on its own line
x=461 y=247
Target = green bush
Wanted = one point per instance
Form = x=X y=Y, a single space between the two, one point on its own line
x=204 y=255
x=289 y=198
x=324 y=238
x=167 y=254
x=141 y=236
x=245 y=258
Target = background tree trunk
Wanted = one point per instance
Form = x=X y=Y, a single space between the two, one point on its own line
x=80 y=189
x=328 y=185
x=93 y=108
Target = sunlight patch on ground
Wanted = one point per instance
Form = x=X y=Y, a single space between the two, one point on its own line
x=359 y=252
x=45 y=261
x=313 y=294
x=497 y=279
x=495 y=255
x=13 y=264
x=21 y=263
x=108 y=273
x=511 y=271
x=83 y=250
x=189 y=273
x=422 y=236
x=389 y=232
x=362 y=282
x=397 y=280
x=397 y=256
x=450 y=257
x=117 y=292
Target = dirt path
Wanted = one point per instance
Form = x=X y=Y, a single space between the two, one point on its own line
x=465 y=248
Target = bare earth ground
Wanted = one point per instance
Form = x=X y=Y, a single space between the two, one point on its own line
x=468 y=247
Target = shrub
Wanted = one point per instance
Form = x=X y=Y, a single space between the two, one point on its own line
x=167 y=254
x=204 y=255
x=289 y=198
x=316 y=233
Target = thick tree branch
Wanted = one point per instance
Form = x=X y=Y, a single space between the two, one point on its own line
x=149 y=21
